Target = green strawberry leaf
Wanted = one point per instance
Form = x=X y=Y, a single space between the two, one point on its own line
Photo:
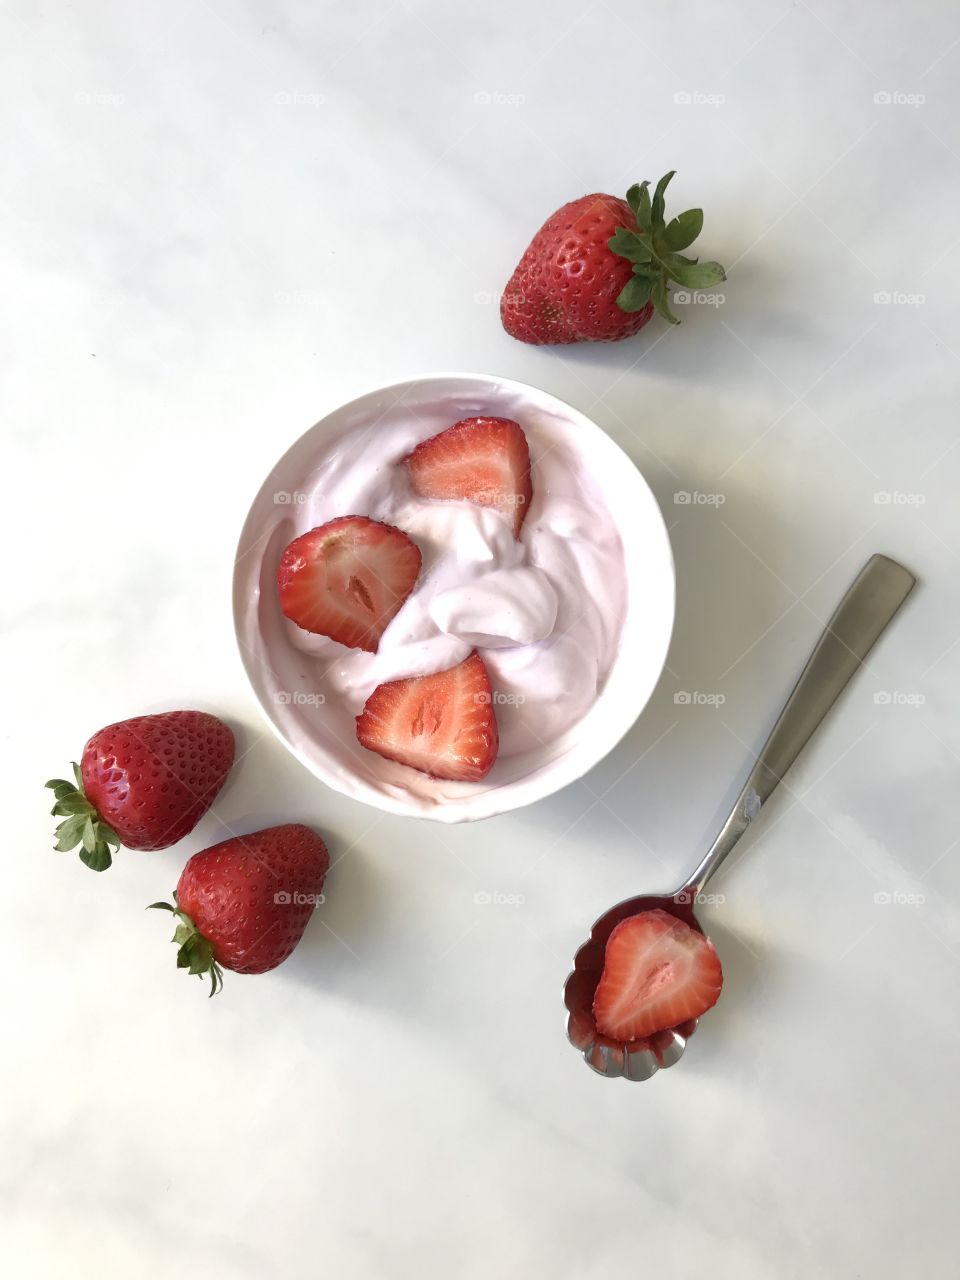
x=660 y=300
x=627 y=244
x=654 y=251
x=82 y=825
x=635 y=294
x=657 y=207
x=71 y=804
x=638 y=198
x=77 y=774
x=98 y=859
x=698 y=275
x=683 y=230
x=70 y=833
x=194 y=951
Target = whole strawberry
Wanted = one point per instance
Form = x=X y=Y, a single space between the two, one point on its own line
x=244 y=904
x=599 y=267
x=143 y=783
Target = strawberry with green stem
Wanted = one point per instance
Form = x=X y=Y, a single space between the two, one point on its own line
x=143 y=783
x=244 y=904
x=599 y=267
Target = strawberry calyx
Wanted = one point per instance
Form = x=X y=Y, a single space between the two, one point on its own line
x=654 y=251
x=195 y=952
x=82 y=824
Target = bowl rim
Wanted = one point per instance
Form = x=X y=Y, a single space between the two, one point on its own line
x=557 y=773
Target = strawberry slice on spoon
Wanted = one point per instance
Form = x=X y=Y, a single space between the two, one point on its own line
x=442 y=724
x=348 y=579
x=481 y=460
x=657 y=973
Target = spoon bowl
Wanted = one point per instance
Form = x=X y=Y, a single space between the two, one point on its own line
x=869 y=605
x=639 y=1059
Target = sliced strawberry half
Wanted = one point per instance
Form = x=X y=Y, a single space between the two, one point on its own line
x=482 y=460
x=441 y=724
x=657 y=973
x=346 y=579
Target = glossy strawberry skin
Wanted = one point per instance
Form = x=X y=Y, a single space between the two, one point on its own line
x=565 y=287
x=152 y=778
x=252 y=896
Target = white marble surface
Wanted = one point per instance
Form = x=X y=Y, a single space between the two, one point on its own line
x=220 y=220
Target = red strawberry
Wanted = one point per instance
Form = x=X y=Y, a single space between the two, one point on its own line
x=244 y=904
x=347 y=579
x=482 y=460
x=598 y=267
x=657 y=973
x=441 y=724
x=144 y=783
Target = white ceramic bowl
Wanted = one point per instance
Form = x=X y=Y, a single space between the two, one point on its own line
x=326 y=742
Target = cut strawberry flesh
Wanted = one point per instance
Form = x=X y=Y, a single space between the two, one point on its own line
x=657 y=973
x=441 y=724
x=481 y=460
x=347 y=579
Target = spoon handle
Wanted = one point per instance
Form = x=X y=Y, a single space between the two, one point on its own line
x=871 y=602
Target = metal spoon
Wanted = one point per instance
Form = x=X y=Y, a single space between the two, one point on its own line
x=871 y=602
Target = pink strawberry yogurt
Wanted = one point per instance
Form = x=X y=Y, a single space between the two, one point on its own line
x=546 y=611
